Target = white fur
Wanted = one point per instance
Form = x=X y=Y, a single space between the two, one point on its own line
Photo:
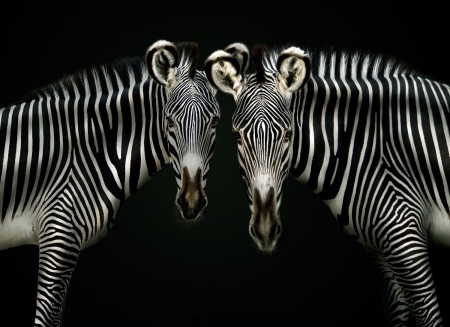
x=286 y=70
x=192 y=162
x=294 y=51
x=263 y=182
x=19 y=231
x=171 y=80
x=439 y=226
x=160 y=44
x=226 y=73
x=218 y=54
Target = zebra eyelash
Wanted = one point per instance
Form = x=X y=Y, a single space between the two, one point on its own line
x=170 y=122
x=238 y=136
x=288 y=135
x=214 y=122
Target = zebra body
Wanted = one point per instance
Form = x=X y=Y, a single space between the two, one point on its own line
x=365 y=134
x=76 y=149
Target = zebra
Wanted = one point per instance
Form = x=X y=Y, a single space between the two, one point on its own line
x=365 y=133
x=74 y=150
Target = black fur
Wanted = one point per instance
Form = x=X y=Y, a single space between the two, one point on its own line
x=189 y=51
x=258 y=53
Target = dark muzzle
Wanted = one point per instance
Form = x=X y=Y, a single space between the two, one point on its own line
x=191 y=199
x=265 y=225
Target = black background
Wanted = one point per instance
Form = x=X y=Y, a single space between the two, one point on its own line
x=151 y=270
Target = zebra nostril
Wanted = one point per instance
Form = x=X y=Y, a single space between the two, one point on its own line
x=203 y=202
x=179 y=201
x=275 y=232
x=252 y=232
x=278 y=230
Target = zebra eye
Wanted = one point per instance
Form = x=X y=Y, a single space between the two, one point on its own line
x=214 y=122
x=170 y=122
x=237 y=134
x=288 y=135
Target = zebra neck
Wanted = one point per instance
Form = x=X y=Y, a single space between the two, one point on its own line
x=331 y=121
x=133 y=134
x=114 y=138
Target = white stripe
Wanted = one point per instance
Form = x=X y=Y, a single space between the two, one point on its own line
x=6 y=154
x=110 y=93
x=17 y=157
x=436 y=145
x=120 y=117
x=132 y=136
x=326 y=155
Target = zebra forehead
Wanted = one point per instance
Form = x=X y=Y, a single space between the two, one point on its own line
x=259 y=110
x=194 y=107
x=194 y=94
x=199 y=84
x=262 y=122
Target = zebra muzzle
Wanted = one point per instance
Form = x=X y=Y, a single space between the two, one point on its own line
x=265 y=225
x=191 y=199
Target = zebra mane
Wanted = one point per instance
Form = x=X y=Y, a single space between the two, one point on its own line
x=113 y=76
x=188 y=56
x=331 y=61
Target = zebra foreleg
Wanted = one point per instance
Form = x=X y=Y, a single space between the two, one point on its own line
x=410 y=263
x=58 y=253
x=393 y=302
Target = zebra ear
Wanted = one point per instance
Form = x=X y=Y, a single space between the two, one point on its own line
x=162 y=61
x=240 y=52
x=294 y=69
x=224 y=72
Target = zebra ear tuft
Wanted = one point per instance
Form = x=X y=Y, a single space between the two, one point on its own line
x=240 y=52
x=162 y=60
x=223 y=72
x=294 y=69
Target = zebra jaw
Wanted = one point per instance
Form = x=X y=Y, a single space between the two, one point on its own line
x=191 y=199
x=265 y=224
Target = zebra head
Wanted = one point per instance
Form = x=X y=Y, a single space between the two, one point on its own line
x=262 y=125
x=191 y=115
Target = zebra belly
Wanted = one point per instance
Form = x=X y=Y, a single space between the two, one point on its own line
x=18 y=230
x=439 y=226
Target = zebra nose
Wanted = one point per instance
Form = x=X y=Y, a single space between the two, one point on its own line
x=190 y=207
x=276 y=232
x=265 y=235
x=191 y=199
x=253 y=232
x=179 y=202
x=203 y=202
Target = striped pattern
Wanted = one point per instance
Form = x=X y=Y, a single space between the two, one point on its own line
x=76 y=149
x=371 y=138
x=262 y=148
x=380 y=168
x=194 y=130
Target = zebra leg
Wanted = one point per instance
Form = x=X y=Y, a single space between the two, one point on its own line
x=393 y=302
x=407 y=256
x=59 y=248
